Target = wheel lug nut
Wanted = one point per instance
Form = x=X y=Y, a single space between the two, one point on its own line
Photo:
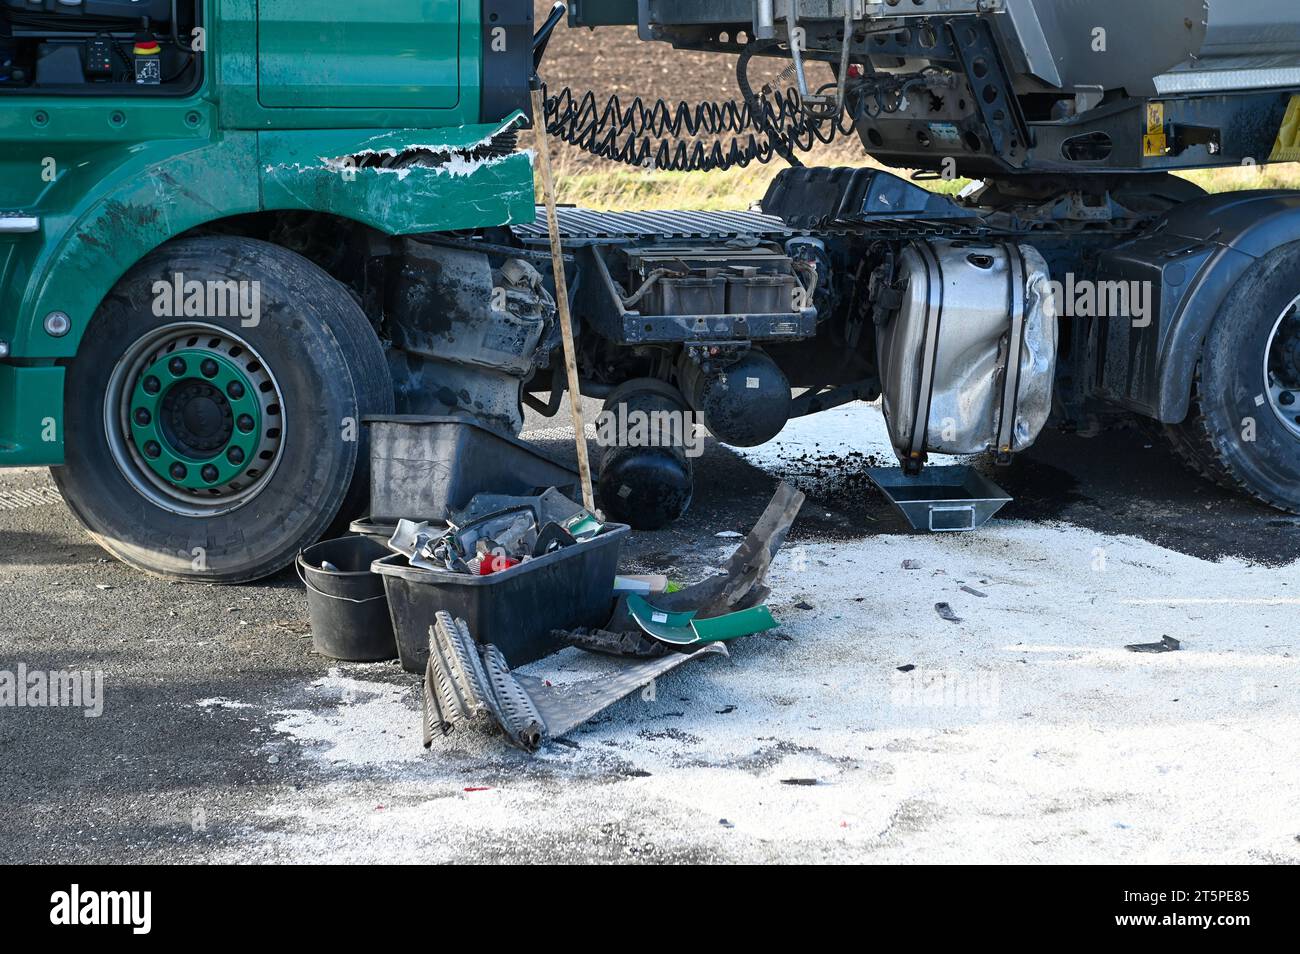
x=151 y=449
x=246 y=422
x=142 y=417
x=235 y=390
x=152 y=385
x=1287 y=398
x=176 y=366
x=178 y=471
x=235 y=455
x=209 y=368
x=209 y=473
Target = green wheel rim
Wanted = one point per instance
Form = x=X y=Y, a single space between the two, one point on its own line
x=195 y=419
x=194 y=415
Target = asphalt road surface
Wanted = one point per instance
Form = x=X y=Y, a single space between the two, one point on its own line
x=867 y=727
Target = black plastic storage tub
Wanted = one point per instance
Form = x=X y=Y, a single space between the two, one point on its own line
x=381 y=533
x=516 y=610
x=424 y=467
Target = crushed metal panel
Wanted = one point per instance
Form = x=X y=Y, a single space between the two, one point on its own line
x=468 y=686
x=944 y=355
x=566 y=703
x=404 y=182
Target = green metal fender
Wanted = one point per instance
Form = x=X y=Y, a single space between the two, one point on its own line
x=107 y=213
x=401 y=182
x=100 y=214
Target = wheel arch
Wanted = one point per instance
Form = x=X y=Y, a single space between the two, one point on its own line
x=105 y=216
x=1239 y=229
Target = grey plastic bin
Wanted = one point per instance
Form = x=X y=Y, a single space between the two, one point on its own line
x=424 y=467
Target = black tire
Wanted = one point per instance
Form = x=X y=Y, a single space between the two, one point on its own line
x=374 y=383
x=328 y=368
x=1229 y=384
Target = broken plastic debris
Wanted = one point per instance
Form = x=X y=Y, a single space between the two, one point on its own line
x=553 y=537
x=630 y=645
x=740 y=585
x=583 y=526
x=417 y=542
x=1167 y=644
x=734 y=625
x=550 y=506
x=686 y=629
x=945 y=612
x=467 y=685
x=644 y=584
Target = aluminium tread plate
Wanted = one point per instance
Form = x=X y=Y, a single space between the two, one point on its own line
x=586 y=225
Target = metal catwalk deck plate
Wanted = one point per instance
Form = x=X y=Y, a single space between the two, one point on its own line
x=579 y=226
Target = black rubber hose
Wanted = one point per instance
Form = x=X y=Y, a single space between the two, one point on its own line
x=655 y=134
x=779 y=144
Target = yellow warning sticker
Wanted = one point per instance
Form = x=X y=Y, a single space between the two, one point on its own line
x=1287 y=147
x=1155 y=142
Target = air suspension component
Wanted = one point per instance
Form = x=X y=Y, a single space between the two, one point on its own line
x=744 y=403
x=646 y=479
x=949 y=387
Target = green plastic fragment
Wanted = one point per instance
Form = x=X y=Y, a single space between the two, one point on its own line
x=734 y=625
x=683 y=629
x=673 y=628
x=583 y=525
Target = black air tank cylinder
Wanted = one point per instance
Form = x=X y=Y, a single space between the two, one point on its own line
x=744 y=404
x=646 y=479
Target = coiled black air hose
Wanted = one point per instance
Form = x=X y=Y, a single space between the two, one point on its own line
x=657 y=135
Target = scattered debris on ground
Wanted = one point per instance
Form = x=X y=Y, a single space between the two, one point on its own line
x=649 y=626
x=945 y=611
x=1167 y=644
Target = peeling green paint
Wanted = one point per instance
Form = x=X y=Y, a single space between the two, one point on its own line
x=401 y=182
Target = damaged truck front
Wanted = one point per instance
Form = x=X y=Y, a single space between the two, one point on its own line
x=211 y=256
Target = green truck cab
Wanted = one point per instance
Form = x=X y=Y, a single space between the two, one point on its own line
x=177 y=182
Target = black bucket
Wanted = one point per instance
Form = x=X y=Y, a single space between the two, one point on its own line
x=347 y=605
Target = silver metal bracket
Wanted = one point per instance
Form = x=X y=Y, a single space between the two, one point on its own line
x=19 y=224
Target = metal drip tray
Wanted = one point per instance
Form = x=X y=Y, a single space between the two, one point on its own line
x=941 y=499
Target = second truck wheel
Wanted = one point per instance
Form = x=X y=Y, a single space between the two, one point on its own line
x=1244 y=427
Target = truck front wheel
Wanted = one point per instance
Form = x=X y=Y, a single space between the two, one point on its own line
x=1244 y=427
x=213 y=411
